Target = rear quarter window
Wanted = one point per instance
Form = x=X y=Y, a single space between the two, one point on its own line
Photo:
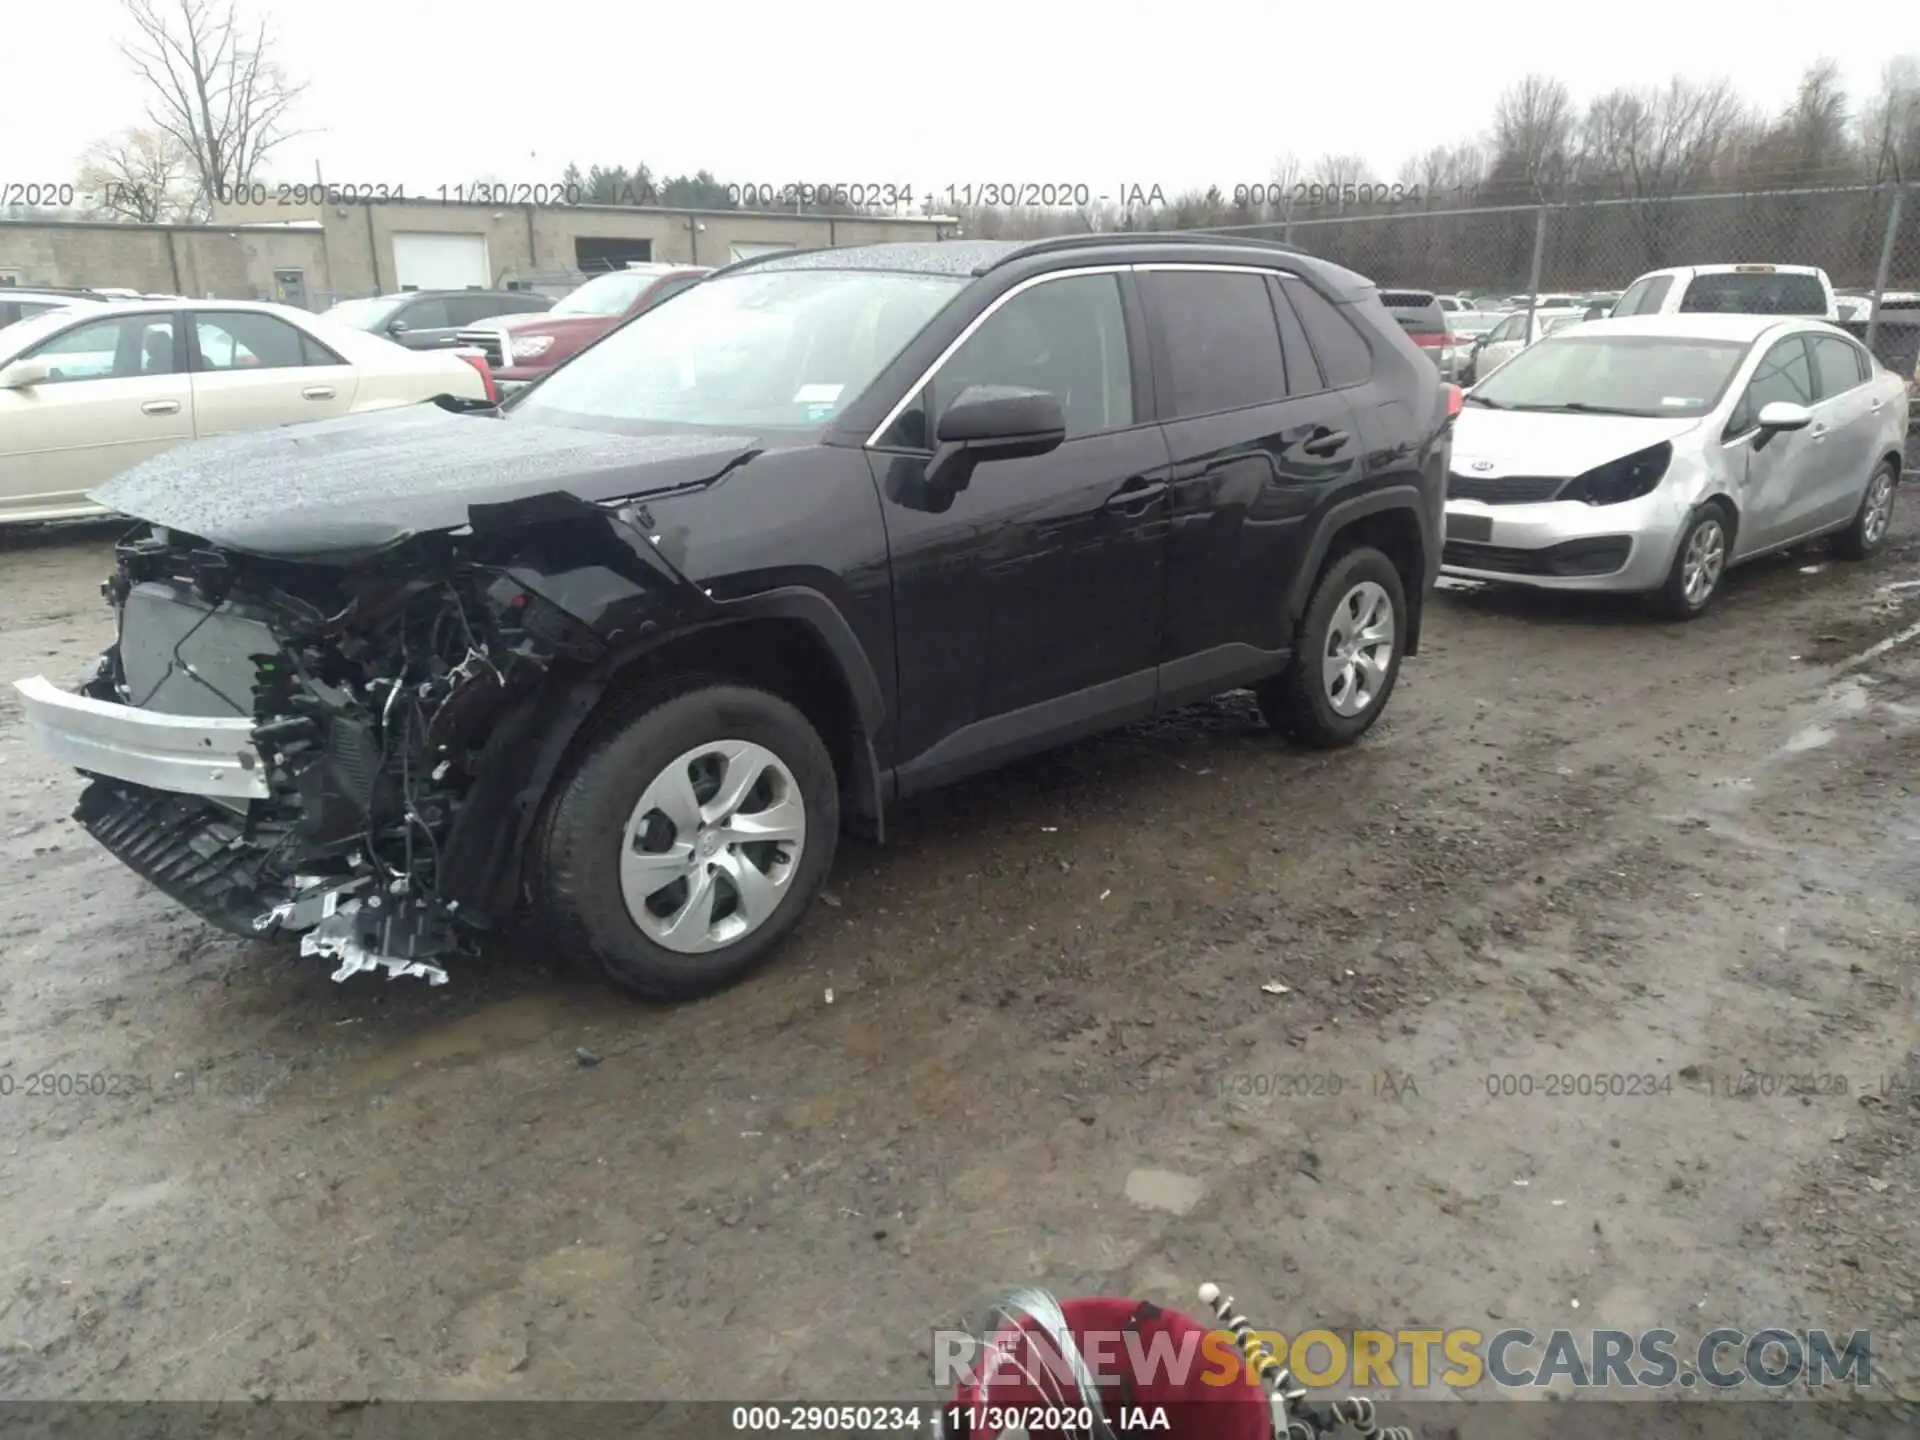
x=1344 y=357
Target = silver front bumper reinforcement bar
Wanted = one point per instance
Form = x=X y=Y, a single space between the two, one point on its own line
x=183 y=754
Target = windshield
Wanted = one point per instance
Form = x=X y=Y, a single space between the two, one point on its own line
x=608 y=295
x=1622 y=374
x=762 y=349
x=365 y=314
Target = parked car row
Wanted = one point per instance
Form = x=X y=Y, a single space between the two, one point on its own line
x=628 y=648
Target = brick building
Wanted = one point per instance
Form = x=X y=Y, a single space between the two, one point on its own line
x=316 y=254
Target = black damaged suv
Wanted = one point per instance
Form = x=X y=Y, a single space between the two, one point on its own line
x=820 y=533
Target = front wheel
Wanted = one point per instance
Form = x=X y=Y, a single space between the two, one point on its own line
x=1699 y=565
x=688 y=838
x=1346 y=656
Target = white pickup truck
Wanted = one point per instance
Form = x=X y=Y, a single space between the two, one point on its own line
x=1730 y=290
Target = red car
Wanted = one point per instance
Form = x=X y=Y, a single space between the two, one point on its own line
x=522 y=348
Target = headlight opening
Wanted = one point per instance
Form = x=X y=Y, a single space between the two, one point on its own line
x=1627 y=478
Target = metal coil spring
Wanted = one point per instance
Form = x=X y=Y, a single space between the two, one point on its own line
x=1293 y=1420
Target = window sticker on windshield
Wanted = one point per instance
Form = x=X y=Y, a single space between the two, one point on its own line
x=819 y=412
x=1680 y=400
x=817 y=394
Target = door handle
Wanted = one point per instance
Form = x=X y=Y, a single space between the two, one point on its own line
x=161 y=407
x=318 y=392
x=1326 y=442
x=1127 y=498
x=1819 y=433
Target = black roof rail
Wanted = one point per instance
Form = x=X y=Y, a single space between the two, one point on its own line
x=749 y=260
x=1083 y=239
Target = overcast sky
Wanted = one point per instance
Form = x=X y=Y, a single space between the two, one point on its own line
x=1121 y=93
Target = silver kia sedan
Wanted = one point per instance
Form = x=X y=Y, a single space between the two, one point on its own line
x=1649 y=454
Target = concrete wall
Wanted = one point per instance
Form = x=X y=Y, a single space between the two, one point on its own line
x=230 y=263
x=348 y=250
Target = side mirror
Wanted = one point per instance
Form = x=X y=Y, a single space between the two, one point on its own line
x=1784 y=415
x=398 y=327
x=1778 y=416
x=992 y=422
x=24 y=374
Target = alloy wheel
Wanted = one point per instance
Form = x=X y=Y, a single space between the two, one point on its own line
x=1706 y=557
x=712 y=846
x=1879 y=508
x=1359 y=648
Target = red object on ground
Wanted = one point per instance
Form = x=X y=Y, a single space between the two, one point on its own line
x=1138 y=1377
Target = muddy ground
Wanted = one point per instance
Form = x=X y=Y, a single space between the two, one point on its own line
x=1581 y=842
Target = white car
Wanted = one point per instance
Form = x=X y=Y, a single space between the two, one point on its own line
x=1514 y=334
x=19 y=304
x=89 y=390
x=1731 y=290
x=1650 y=454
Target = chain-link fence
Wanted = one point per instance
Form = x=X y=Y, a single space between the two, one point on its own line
x=1867 y=239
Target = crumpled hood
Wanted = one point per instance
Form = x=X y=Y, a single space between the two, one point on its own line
x=1512 y=442
x=363 y=482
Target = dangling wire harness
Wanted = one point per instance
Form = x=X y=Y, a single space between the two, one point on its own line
x=1293 y=1418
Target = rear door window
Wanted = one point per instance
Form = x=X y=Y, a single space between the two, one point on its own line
x=1836 y=365
x=245 y=340
x=1218 y=340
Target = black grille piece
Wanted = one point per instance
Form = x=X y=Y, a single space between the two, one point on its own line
x=186 y=847
x=1599 y=556
x=1504 y=489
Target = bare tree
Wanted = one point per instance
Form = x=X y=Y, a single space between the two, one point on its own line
x=1339 y=170
x=1809 y=141
x=1652 y=144
x=141 y=175
x=1533 y=135
x=214 y=86
x=1890 y=122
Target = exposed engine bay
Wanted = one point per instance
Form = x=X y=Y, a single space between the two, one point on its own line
x=404 y=707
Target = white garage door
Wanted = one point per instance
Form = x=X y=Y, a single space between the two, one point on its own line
x=748 y=250
x=441 y=262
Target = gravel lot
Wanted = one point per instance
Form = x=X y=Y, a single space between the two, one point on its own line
x=1581 y=842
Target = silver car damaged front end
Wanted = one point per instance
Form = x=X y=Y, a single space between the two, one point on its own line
x=1507 y=520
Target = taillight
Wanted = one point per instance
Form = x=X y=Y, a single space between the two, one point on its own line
x=1428 y=341
x=479 y=362
x=1454 y=400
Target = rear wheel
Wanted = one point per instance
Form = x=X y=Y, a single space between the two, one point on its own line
x=1346 y=656
x=1868 y=532
x=1699 y=565
x=691 y=834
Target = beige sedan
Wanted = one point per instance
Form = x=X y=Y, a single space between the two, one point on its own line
x=87 y=392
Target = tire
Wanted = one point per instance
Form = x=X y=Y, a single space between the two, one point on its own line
x=590 y=885
x=1307 y=701
x=1699 y=565
x=1862 y=539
